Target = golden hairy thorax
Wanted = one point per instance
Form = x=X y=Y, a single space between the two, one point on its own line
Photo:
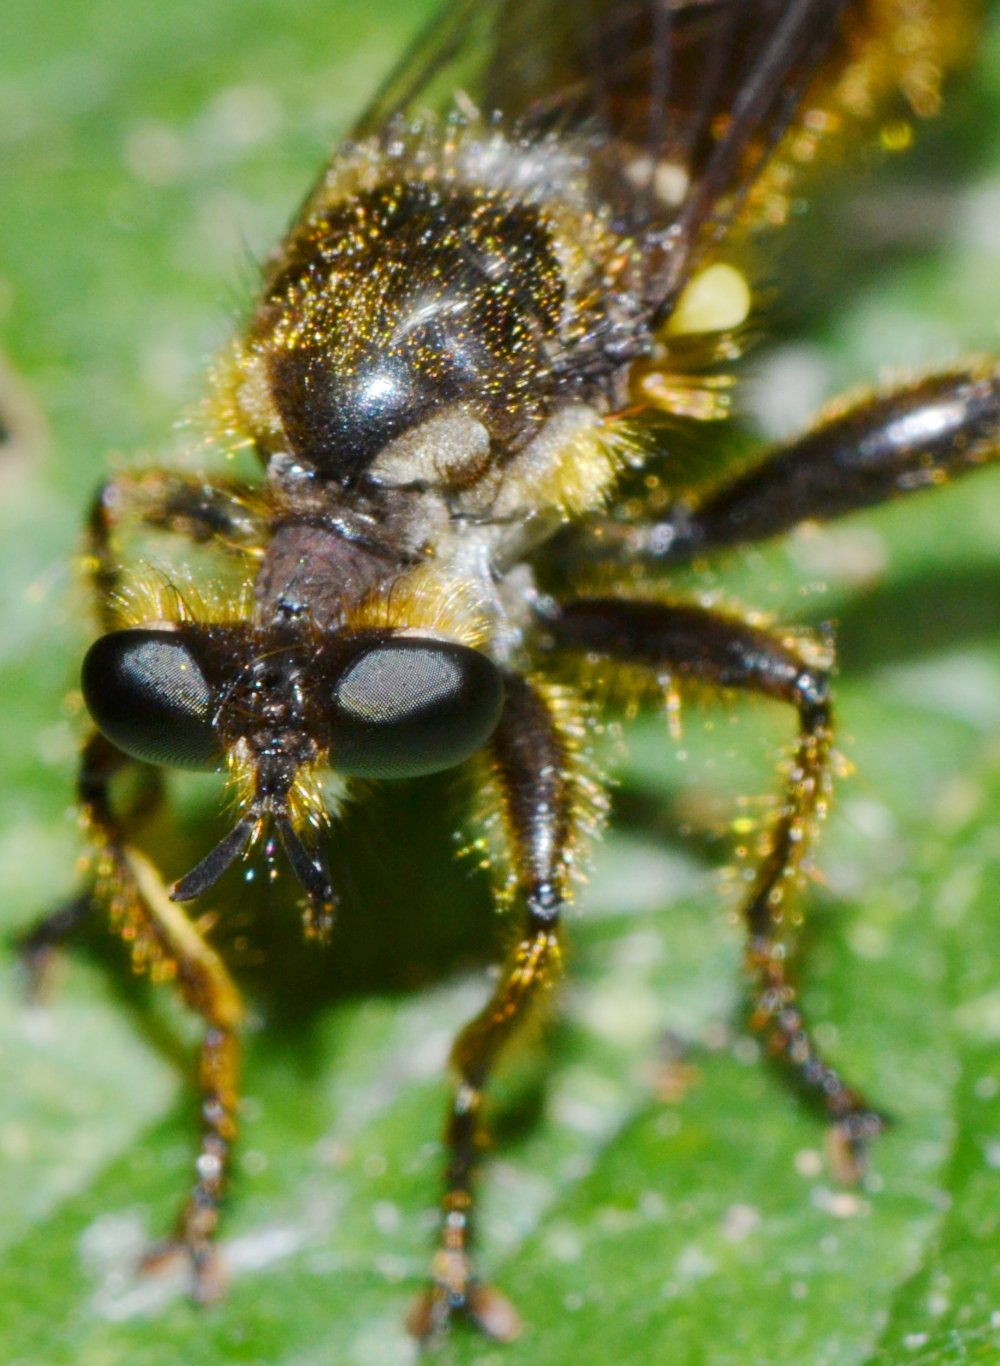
x=444 y=297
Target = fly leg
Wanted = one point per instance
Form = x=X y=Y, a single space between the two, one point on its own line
x=545 y=804
x=206 y=511
x=40 y=945
x=165 y=942
x=707 y=647
x=861 y=453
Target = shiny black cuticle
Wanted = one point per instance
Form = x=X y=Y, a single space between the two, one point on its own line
x=147 y=694
x=407 y=707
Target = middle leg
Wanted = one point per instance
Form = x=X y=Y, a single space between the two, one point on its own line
x=708 y=647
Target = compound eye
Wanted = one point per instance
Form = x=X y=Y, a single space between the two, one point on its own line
x=147 y=694
x=408 y=707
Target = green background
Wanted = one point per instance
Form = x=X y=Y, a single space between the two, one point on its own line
x=150 y=153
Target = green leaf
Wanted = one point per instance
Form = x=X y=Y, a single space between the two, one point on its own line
x=150 y=153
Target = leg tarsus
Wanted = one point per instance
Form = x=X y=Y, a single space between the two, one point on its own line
x=849 y=1138
x=204 y=1261
x=455 y=1293
x=852 y=1123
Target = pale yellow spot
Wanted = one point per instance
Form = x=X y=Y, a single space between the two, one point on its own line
x=716 y=300
x=897 y=136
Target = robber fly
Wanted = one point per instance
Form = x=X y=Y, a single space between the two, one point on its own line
x=514 y=277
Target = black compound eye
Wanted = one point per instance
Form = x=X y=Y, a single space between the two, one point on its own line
x=409 y=707
x=148 y=695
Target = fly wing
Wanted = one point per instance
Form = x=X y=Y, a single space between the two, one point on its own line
x=677 y=103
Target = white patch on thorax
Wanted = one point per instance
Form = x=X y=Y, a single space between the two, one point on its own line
x=445 y=451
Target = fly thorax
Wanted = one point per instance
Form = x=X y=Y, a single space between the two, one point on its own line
x=417 y=298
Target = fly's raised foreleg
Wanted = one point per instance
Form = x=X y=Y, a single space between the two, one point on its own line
x=690 y=642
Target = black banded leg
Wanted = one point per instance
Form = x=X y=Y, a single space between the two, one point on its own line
x=204 y=510
x=167 y=944
x=861 y=453
x=542 y=794
x=694 y=643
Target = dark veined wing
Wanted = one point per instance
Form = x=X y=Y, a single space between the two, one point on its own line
x=677 y=102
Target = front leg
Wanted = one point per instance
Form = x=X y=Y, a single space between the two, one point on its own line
x=41 y=944
x=546 y=803
x=704 y=646
x=171 y=947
